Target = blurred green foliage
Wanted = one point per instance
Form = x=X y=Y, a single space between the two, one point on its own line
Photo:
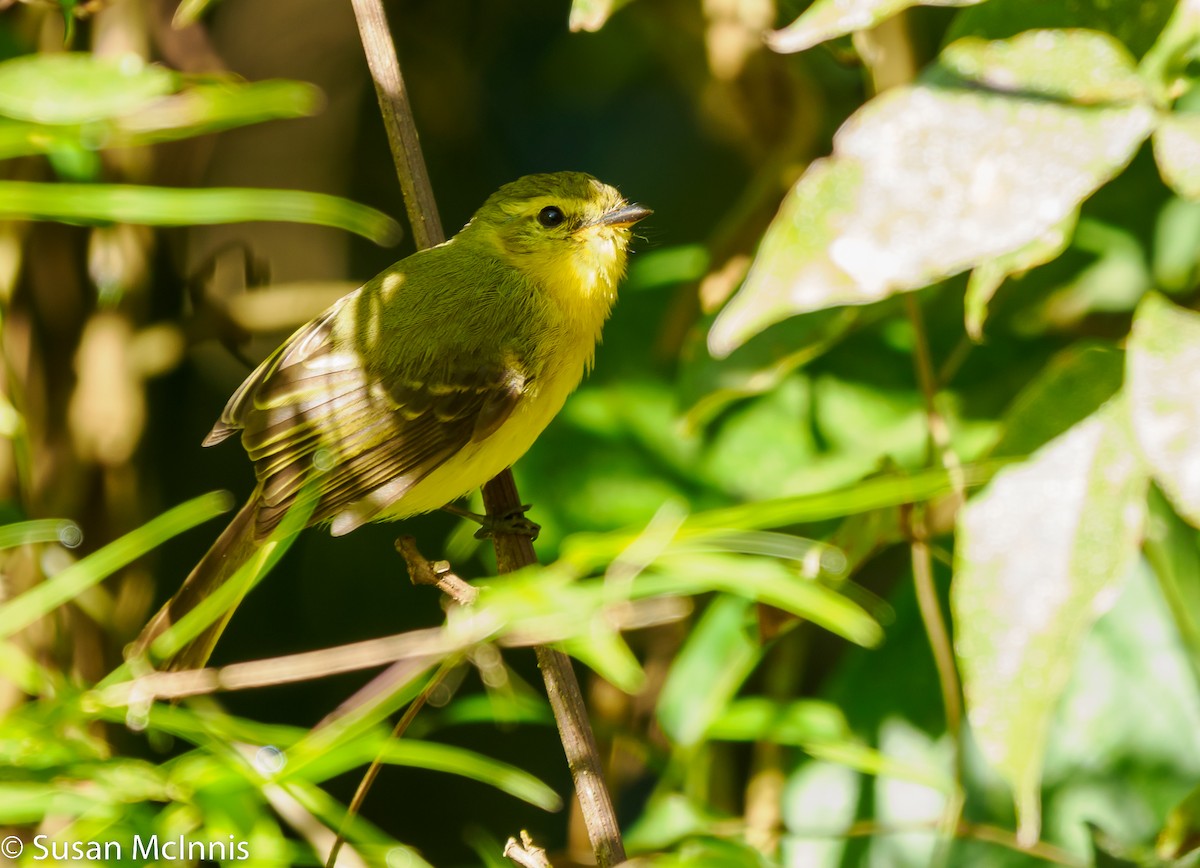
x=912 y=334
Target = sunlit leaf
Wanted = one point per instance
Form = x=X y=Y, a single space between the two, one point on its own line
x=161 y=206
x=604 y=651
x=1077 y=66
x=78 y=88
x=591 y=15
x=455 y=760
x=929 y=180
x=592 y=551
x=1164 y=398
x=49 y=595
x=793 y=271
x=764 y=580
x=1040 y=555
x=828 y=19
x=796 y=723
x=206 y=107
x=41 y=530
x=1135 y=23
x=1177 y=151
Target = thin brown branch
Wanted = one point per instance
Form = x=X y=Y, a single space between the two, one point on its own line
x=398 y=120
x=500 y=495
x=526 y=853
x=514 y=551
x=437 y=573
x=969 y=831
x=368 y=779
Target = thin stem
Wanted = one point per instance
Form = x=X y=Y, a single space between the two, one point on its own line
x=364 y=786
x=922 y=563
x=399 y=123
x=500 y=494
x=514 y=551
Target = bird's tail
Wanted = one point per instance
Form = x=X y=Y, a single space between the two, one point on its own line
x=235 y=547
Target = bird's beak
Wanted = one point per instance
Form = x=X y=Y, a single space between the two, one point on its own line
x=624 y=216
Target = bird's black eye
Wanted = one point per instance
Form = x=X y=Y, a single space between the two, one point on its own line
x=551 y=216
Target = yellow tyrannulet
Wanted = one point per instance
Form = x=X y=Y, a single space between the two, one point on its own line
x=426 y=381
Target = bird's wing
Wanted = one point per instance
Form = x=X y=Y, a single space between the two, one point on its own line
x=312 y=413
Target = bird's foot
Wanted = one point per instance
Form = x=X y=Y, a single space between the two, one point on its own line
x=513 y=522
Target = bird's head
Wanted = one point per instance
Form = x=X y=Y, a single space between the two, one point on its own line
x=564 y=229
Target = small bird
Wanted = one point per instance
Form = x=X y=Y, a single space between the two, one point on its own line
x=425 y=382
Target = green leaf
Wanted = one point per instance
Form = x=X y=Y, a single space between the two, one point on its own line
x=1176 y=240
x=928 y=181
x=1164 y=398
x=162 y=206
x=42 y=530
x=797 y=723
x=588 y=551
x=1165 y=65
x=209 y=107
x=78 y=88
x=764 y=580
x=828 y=19
x=719 y=654
x=1177 y=151
x=1181 y=832
x=1040 y=555
x=204 y=108
x=49 y=595
x=1114 y=283
x=1070 y=388
x=1172 y=550
x=458 y=761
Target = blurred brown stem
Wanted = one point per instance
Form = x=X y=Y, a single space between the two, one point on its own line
x=500 y=494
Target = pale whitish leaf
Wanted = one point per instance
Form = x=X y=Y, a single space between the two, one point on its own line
x=1177 y=152
x=78 y=88
x=1078 y=66
x=1040 y=555
x=792 y=271
x=952 y=179
x=928 y=181
x=828 y=19
x=1163 y=371
x=1135 y=23
x=987 y=277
